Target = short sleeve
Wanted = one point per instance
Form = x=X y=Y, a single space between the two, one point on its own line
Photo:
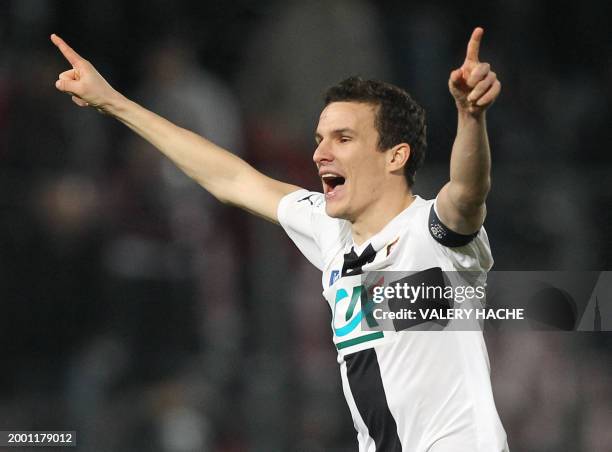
x=317 y=236
x=466 y=252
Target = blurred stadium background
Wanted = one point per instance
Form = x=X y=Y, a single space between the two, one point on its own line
x=146 y=316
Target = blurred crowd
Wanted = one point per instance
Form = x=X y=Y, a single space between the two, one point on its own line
x=145 y=315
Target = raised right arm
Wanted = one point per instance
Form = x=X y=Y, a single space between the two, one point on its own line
x=227 y=177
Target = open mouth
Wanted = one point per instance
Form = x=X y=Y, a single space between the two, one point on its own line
x=331 y=182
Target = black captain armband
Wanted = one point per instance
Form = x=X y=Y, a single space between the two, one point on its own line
x=445 y=236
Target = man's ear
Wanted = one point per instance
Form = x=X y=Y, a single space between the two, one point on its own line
x=398 y=157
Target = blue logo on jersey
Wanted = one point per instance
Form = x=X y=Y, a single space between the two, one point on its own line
x=335 y=274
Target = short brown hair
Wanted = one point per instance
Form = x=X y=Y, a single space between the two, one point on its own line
x=399 y=118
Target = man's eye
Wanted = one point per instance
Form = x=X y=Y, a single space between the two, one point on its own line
x=344 y=139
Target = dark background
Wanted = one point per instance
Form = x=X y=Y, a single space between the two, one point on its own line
x=146 y=316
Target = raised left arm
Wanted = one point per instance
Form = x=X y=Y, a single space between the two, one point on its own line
x=474 y=86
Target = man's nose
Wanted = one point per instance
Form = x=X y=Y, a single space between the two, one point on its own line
x=322 y=154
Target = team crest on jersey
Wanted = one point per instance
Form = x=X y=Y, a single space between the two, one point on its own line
x=392 y=244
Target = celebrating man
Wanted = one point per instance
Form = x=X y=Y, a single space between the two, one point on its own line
x=406 y=390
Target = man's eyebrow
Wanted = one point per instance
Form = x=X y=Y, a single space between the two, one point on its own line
x=336 y=132
x=343 y=130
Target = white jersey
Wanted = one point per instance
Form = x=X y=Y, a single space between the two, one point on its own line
x=411 y=391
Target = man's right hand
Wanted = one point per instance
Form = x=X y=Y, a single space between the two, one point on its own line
x=225 y=176
x=83 y=82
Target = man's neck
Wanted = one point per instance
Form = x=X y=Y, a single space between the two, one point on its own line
x=378 y=216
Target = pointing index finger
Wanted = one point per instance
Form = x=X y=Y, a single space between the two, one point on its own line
x=68 y=52
x=474 y=45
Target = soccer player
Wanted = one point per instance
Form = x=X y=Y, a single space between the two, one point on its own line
x=411 y=391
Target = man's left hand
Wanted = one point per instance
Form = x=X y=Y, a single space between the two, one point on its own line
x=474 y=85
